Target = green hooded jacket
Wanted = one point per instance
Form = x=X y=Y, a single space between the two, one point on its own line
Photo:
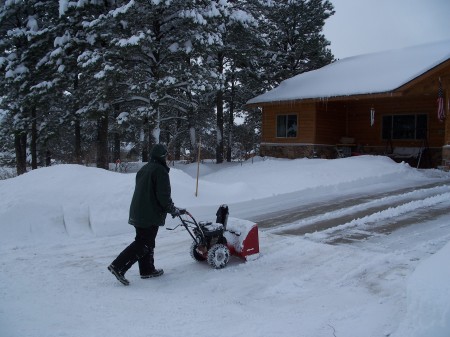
x=152 y=195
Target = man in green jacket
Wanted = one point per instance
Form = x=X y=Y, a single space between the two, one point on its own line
x=148 y=210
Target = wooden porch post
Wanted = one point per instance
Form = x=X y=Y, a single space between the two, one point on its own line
x=446 y=147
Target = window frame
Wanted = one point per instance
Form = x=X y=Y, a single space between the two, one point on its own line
x=392 y=128
x=288 y=119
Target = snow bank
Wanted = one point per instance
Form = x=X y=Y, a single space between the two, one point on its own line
x=64 y=200
x=76 y=200
x=428 y=298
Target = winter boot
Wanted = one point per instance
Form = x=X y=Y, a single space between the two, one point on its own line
x=154 y=273
x=120 y=277
x=125 y=260
x=147 y=266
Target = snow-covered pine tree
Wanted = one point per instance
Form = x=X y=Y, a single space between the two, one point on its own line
x=107 y=74
x=69 y=43
x=196 y=80
x=144 y=33
x=13 y=27
x=241 y=48
x=293 y=30
x=89 y=72
x=225 y=30
x=26 y=33
x=163 y=45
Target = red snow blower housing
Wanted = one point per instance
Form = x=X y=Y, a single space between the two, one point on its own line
x=215 y=242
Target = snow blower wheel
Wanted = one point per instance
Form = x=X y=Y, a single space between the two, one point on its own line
x=218 y=256
x=196 y=250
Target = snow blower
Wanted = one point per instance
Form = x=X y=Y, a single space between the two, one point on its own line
x=216 y=242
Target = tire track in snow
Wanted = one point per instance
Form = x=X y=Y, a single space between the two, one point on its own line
x=370 y=216
x=341 y=215
x=361 y=228
x=310 y=210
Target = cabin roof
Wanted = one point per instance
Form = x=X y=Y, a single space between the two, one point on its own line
x=373 y=73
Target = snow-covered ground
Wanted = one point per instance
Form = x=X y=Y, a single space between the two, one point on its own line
x=61 y=226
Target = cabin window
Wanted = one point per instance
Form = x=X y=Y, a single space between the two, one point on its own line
x=286 y=126
x=405 y=126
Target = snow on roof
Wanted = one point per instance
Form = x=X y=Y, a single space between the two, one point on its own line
x=364 y=74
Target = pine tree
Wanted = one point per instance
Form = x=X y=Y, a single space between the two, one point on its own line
x=144 y=33
x=162 y=45
x=293 y=30
x=87 y=70
x=25 y=27
x=228 y=26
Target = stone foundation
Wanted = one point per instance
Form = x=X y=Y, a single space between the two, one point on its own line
x=293 y=151
x=431 y=158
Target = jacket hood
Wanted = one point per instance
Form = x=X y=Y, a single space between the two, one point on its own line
x=159 y=153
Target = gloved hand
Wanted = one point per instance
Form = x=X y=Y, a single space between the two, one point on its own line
x=177 y=212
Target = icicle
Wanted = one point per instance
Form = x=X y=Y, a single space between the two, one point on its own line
x=372 y=116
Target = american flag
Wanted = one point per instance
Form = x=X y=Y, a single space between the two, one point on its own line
x=440 y=102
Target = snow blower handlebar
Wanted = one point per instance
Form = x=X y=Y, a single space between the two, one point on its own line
x=177 y=212
x=188 y=223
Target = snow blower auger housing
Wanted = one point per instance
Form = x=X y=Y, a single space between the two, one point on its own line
x=216 y=242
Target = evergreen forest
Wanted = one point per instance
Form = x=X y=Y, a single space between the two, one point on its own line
x=94 y=81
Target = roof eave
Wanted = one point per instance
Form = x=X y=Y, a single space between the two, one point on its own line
x=392 y=93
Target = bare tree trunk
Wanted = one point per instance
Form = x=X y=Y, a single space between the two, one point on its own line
x=176 y=143
x=151 y=137
x=78 y=154
x=116 y=146
x=145 y=148
x=219 y=128
x=33 y=146
x=143 y=140
x=20 y=145
x=102 y=142
x=77 y=130
x=219 y=108
x=193 y=143
x=116 y=150
x=230 y=124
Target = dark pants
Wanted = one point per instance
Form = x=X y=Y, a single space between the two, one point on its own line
x=140 y=250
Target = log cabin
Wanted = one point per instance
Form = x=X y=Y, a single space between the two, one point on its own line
x=383 y=103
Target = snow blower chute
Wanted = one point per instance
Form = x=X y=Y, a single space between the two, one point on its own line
x=215 y=242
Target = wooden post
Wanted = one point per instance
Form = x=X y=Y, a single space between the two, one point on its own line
x=198 y=165
x=446 y=147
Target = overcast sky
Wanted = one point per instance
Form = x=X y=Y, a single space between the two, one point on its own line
x=366 y=26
